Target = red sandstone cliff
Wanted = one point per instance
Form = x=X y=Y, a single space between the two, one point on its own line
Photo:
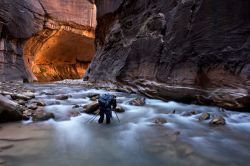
x=187 y=50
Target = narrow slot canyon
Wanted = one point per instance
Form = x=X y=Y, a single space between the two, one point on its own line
x=59 y=54
x=124 y=82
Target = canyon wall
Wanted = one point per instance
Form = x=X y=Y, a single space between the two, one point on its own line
x=46 y=40
x=194 y=51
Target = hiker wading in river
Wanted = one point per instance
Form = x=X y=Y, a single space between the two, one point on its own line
x=107 y=103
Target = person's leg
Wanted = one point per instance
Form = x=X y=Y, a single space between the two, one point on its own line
x=101 y=117
x=108 y=117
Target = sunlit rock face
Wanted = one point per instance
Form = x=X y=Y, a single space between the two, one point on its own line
x=188 y=50
x=46 y=40
x=62 y=54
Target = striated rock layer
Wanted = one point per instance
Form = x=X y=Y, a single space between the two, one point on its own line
x=46 y=40
x=194 y=51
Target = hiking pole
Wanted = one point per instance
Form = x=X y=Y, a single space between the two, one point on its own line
x=93 y=117
x=117 y=117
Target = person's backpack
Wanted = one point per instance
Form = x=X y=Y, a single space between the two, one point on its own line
x=105 y=100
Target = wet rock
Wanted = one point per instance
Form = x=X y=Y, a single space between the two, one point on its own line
x=91 y=108
x=218 y=120
x=119 y=109
x=32 y=106
x=20 y=97
x=29 y=94
x=62 y=97
x=160 y=121
x=9 y=110
x=25 y=117
x=76 y=106
x=93 y=96
x=140 y=101
x=204 y=116
x=28 y=112
x=21 y=102
x=42 y=116
x=189 y=113
x=39 y=103
x=48 y=93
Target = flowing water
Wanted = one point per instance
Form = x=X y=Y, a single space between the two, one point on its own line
x=135 y=141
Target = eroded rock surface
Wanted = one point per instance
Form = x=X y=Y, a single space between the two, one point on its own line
x=52 y=39
x=191 y=51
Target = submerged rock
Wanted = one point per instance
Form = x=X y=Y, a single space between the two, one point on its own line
x=160 y=121
x=73 y=113
x=42 y=116
x=184 y=150
x=189 y=113
x=140 y=101
x=204 y=116
x=91 y=108
x=218 y=120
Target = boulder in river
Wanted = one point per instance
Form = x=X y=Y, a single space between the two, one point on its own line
x=93 y=96
x=119 y=109
x=139 y=101
x=204 y=116
x=9 y=110
x=218 y=120
x=91 y=108
x=42 y=116
x=62 y=97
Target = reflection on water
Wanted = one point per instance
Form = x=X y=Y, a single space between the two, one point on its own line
x=183 y=140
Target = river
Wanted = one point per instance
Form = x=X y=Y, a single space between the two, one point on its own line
x=134 y=141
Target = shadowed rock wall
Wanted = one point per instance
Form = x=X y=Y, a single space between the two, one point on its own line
x=188 y=50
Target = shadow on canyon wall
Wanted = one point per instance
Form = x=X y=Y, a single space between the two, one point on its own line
x=190 y=51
